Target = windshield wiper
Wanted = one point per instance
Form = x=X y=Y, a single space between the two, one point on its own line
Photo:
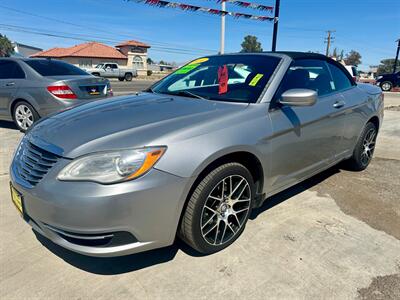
x=190 y=94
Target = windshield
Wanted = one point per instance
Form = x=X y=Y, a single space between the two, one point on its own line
x=99 y=66
x=235 y=78
x=47 y=67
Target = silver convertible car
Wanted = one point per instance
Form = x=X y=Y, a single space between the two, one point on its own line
x=194 y=154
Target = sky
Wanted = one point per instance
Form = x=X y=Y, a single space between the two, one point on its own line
x=370 y=27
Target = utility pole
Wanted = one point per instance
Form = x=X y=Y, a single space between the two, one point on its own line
x=329 y=40
x=397 y=56
x=223 y=8
x=276 y=20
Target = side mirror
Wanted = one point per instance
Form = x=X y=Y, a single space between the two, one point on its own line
x=299 y=97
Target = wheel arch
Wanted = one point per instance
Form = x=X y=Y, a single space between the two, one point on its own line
x=246 y=158
x=374 y=120
x=20 y=99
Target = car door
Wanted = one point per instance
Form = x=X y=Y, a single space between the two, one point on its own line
x=11 y=75
x=351 y=113
x=305 y=138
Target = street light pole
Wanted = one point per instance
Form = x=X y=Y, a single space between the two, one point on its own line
x=276 y=20
x=222 y=47
x=397 y=56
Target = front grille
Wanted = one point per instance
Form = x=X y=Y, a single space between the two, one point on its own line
x=33 y=162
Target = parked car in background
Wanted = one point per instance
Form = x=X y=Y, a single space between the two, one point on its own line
x=388 y=81
x=112 y=70
x=31 y=88
x=131 y=173
x=353 y=72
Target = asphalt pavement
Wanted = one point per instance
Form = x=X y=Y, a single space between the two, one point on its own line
x=334 y=236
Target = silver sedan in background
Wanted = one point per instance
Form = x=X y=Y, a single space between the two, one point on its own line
x=194 y=154
x=31 y=88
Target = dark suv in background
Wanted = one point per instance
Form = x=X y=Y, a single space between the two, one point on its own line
x=34 y=88
x=388 y=81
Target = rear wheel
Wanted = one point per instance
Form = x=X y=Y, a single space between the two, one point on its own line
x=386 y=86
x=218 y=209
x=364 y=149
x=128 y=77
x=24 y=115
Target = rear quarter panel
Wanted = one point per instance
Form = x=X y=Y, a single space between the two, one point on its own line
x=363 y=103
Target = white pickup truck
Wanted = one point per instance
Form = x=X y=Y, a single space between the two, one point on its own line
x=112 y=70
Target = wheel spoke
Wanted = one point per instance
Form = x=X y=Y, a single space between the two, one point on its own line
x=211 y=229
x=238 y=185
x=208 y=221
x=223 y=233
x=216 y=233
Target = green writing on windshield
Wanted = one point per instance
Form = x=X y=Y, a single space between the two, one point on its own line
x=186 y=69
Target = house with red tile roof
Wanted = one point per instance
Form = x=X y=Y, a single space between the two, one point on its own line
x=130 y=54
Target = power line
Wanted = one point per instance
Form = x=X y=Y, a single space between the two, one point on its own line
x=126 y=35
x=86 y=38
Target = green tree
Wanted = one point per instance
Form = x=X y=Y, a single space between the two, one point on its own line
x=250 y=44
x=386 y=66
x=150 y=61
x=6 y=47
x=353 y=58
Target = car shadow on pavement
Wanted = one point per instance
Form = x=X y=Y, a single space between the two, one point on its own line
x=134 y=262
x=294 y=190
x=117 y=265
x=8 y=125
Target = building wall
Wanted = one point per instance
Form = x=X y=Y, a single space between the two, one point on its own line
x=137 y=58
x=25 y=51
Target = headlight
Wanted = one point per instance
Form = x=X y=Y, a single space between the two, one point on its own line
x=113 y=166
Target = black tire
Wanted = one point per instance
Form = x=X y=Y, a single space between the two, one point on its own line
x=193 y=225
x=121 y=79
x=361 y=156
x=23 y=123
x=128 y=77
x=386 y=86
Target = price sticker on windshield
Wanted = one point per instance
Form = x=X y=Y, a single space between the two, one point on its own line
x=256 y=79
x=223 y=79
x=186 y=69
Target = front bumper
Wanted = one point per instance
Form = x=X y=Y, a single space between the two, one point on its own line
x=104 y=220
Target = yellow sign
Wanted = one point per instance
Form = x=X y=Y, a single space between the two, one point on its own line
x=199 y=61
x=16 y=199
x=256 y=79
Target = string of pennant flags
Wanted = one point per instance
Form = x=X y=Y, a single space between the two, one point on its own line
x=248 y=5
x=194 y=8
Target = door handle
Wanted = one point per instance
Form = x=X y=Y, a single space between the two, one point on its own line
x=339 y=104
x=10 y=83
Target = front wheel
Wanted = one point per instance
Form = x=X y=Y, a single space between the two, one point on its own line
x=386 y=86
x=362 y=154
x=218 y=209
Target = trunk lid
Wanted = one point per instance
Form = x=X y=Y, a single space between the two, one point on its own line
x=84 y=87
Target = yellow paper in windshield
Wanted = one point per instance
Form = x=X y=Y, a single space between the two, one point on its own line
x=199 y=61
x=186 y=69
x=256 y=79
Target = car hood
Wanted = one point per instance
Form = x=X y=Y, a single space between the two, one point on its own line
x=129 y=121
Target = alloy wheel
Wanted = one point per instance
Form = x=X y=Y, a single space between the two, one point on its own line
x=386 y=86
x=368 y=146
x=24 y=116
x=225 y=210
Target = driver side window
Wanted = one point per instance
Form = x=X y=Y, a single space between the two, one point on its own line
x=308 y=74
